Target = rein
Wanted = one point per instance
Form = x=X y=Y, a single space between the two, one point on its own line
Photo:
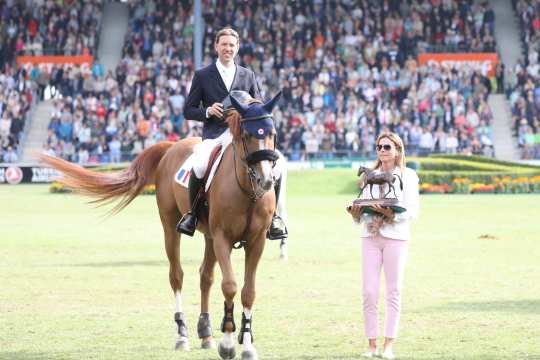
x=254 y=195
x=256 y=192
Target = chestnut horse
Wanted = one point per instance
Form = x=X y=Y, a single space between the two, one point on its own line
x=240 y=208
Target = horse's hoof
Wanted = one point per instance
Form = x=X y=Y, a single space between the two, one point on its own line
x=226 y=353
x=208 y=344
x=182 y=344
x=249 y=355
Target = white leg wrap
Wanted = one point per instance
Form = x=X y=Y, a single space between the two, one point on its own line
x=228 y=340
x=247 y=341
x=178 y=301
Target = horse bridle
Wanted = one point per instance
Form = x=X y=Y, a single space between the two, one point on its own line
x=249 y=161
x=253 y=158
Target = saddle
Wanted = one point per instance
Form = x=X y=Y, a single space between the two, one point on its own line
x=213 y=158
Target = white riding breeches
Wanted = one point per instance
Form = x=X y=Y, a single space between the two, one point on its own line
x=203 y=150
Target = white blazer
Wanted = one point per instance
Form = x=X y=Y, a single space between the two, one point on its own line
x=408 y=198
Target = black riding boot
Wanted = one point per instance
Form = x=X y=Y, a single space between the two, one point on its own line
x=278 y=229
x=188 y=223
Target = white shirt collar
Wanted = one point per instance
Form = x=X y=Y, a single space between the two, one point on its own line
x=227 y=74
x=227 y=70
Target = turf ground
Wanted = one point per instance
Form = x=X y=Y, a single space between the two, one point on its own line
x=76 y=286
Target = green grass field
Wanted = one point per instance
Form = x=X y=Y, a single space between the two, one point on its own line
x=74 y=285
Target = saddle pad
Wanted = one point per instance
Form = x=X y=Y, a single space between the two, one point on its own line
x=215 y=166
x=182 y=175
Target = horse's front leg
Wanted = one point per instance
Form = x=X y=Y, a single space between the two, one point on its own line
x=222 y=250
x=253 y=255
x=206 y=271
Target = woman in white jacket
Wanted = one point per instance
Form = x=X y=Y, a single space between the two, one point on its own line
x=384 y=242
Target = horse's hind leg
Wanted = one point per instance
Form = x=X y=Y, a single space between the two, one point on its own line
x=176 y=275
x=222 y=250
x=283 y=249
x=204 y=327
x=253 y=255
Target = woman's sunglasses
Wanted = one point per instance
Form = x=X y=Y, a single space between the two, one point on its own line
x=386 y=147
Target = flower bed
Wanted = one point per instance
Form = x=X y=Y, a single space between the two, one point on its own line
x=483 y=189
x=499 y=185
x=435 y=189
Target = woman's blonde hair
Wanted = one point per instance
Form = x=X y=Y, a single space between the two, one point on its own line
x=398 y=143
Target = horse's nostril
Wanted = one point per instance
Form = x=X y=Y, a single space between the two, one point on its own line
x=267 y=184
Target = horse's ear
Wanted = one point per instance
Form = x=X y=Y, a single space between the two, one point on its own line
x=270 y=104
x=238 y=105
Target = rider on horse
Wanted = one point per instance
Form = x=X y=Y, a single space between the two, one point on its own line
x=211 y=85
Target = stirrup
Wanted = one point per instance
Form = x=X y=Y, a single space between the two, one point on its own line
x=277 y=232
x=188 y=224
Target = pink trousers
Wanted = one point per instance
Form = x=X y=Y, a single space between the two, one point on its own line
x=380 y=252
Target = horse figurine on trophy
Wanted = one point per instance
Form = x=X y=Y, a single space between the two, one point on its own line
x=371 y=178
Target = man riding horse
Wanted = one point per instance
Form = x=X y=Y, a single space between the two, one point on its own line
x=211 y=86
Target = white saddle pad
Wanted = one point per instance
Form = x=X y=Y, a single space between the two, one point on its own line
x=183 y=174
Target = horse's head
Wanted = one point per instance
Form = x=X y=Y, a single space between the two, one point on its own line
x=253 y=129
x=363 y=170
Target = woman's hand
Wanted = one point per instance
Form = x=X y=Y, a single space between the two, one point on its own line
x=355 y=211
x=387 y=212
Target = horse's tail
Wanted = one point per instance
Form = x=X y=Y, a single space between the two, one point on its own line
x=109 y=187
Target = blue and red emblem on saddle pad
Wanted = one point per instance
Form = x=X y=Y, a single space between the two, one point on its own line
x=182 y=175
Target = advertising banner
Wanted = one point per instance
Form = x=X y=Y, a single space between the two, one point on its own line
x=85 y=61
x=485 y=62
x=13 y=174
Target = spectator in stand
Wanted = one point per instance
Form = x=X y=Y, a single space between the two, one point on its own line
x=16 y=96
x=10 y=156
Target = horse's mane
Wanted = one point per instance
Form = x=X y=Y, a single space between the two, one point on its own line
x=233 y=119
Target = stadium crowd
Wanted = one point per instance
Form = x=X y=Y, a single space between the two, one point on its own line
x=524 y=91
x=65 y=27
x=347 y=70
x=38 y=28
x=346 y=73
x=16 y=97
